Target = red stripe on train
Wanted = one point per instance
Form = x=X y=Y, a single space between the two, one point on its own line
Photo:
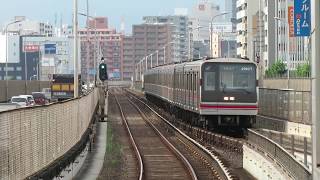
x=208 y=106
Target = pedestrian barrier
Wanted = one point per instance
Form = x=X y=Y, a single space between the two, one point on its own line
x=289 y=164
x=34 y=137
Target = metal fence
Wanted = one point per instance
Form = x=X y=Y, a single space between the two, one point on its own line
x=289 y=105
x=32 y=138
x=138 y=85
x=295 y=169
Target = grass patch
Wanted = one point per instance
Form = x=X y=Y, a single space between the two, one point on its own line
x=113 y=148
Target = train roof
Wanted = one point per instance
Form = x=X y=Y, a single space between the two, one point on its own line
x=200 y=62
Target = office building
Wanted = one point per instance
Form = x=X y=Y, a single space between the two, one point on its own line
x=31 y=27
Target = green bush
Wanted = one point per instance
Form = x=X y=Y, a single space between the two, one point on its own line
x=277 y=69
x=303 y=70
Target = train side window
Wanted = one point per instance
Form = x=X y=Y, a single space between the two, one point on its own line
x=209 y=81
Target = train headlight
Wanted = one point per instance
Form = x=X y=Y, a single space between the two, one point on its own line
x=232 y=98
x=226 y=98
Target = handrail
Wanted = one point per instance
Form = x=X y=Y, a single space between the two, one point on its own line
x=273 y=149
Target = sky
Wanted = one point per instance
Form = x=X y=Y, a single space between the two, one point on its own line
x=129 y=10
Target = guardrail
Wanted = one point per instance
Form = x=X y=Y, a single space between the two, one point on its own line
x=33 y=138
x=295 y=169
x=289 y=105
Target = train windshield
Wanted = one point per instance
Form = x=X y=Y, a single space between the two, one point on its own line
x=237 y=77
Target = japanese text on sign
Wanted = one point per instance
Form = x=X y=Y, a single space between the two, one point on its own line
x=302 y=17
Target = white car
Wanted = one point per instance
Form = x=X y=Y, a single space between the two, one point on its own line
x=47 y=93
x=30 y=99
x=22 y=101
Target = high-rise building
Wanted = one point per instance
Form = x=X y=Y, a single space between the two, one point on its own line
x=268 y=34
x=246 y=27
x=201 y=16
x=180 y=34
x=272 y=36
x=151 y=38
x=128 y=58
x=31 y=27
x=231 y=8
x=98 y=38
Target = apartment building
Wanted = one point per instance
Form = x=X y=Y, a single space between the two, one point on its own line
x=128 y=58
x=151 y=39
x=246 y=27
x=180 y=34
x=97 y=41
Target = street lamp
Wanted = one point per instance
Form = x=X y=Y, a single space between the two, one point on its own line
x=211 y=29
x=287 y=54
x=7 y=56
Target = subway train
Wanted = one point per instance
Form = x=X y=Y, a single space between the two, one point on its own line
x=209 y=93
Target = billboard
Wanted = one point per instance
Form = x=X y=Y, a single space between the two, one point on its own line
x=291 y=20
x=302 y=17
x=50 y=49
x=31 y=48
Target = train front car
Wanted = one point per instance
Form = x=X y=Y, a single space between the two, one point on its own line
x=228 y=93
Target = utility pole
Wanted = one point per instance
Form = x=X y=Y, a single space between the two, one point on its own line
x=75 y=48
x=315 y=79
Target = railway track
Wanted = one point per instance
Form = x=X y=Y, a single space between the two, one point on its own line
x=205 y=164
x=227 y=149
x=157 y=157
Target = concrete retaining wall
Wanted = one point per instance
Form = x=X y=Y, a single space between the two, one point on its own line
x=19 y=87
x=296 y=84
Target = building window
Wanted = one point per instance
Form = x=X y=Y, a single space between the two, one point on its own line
x=9 y=69
x=18 y=78
x=18 y=68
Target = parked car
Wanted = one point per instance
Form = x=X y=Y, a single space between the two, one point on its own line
x=29 y=98
x=47 y=93
x=22 y=101
x=39 y=98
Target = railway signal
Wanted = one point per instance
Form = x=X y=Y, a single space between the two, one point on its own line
x=103 y=74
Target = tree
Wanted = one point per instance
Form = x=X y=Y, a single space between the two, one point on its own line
x=303 y=70
x=277 y=69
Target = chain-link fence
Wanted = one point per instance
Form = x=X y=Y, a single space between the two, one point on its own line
x=285 y=104
x=32 y=138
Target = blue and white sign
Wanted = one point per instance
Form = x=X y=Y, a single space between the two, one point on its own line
x=50 y=49
x=302 y=17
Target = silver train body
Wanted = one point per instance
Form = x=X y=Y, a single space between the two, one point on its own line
x=214 y=92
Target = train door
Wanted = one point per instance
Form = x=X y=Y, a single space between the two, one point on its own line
x=194 y=90
x=191 y=90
